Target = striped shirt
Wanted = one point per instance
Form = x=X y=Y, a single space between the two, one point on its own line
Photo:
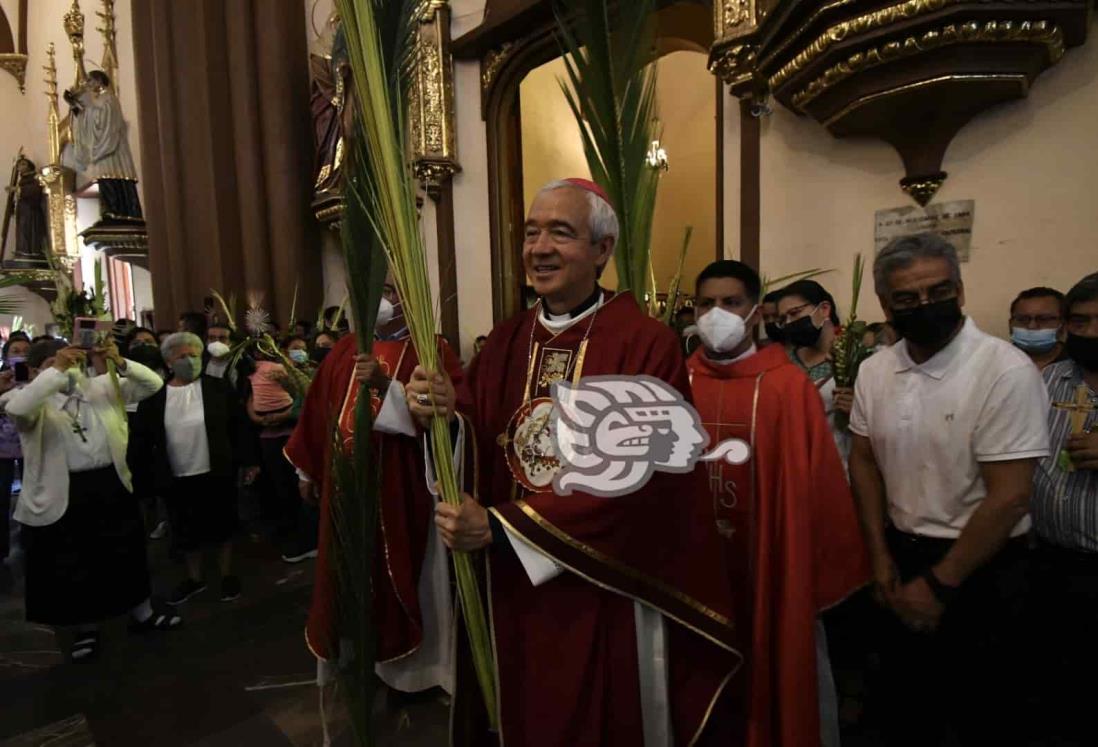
x=1065 y=504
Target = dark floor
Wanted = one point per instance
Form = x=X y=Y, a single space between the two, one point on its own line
x=237 y=674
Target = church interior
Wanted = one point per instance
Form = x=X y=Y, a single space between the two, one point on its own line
x=175 y=156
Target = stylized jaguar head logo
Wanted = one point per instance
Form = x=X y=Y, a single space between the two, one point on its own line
x=613 y=433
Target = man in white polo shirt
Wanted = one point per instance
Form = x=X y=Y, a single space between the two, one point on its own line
x=947 y=427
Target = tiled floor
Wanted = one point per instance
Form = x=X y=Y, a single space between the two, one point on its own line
x=237 y=674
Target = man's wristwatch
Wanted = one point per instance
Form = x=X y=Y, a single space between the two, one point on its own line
x=944 y=593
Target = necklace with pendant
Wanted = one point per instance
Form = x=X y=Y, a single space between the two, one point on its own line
x=576 y=363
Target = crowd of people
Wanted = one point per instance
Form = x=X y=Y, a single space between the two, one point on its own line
x=925 y=542
x=167 y=446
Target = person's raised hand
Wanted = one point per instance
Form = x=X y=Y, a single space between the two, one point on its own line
x=7 y=380
x=69 y=357
x=368 y=372
x=1083 y=450
x=105 y=351
x=843 y=400
x=429 y=397
x=464 y=528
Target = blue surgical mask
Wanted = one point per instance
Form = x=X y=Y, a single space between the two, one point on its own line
x=299 y=356
x=1034 y=340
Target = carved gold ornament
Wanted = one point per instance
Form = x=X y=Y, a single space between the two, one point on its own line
x=16 y=64
x=734 y=64
x=74 y=29
x=493 y=63
x=431 y=99
x=733 y=13
x=923 y=188
x=1037 y=32
x=840 y=31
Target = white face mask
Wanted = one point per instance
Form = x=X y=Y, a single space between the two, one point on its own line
x=721 y=330
x=218 y=349
x=384 y=313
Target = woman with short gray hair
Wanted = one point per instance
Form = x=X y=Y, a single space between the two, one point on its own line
x=188 y=440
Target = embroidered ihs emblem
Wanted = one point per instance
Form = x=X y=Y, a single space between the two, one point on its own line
x=554 y=366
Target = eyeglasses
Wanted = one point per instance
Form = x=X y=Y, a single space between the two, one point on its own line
x=793 y=314
x=1024 y=320
x=905 y=300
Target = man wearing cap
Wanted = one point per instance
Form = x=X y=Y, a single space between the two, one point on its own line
x=610 y=615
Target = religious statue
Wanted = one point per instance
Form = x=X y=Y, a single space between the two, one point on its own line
x=101 y=149
x=332 y=107
x=26 y=203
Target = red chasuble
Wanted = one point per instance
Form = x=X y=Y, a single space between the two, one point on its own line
x=406 y=511
x=566 y=650
x=791 y=532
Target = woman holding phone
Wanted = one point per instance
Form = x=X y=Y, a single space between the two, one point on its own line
x=82 y=531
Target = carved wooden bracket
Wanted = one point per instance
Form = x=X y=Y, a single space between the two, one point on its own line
x=911 y=73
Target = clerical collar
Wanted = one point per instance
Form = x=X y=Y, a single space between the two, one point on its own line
x=575 y=313
x=729 y=361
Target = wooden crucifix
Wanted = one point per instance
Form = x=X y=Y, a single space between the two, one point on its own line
x=1079 y=408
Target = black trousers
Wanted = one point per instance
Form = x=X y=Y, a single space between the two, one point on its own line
x=7 y=479
x=1063 y=631
x=967 y=679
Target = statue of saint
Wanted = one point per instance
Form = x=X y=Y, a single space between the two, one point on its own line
x=27 y=204
x=332 y=108
x=101 y=149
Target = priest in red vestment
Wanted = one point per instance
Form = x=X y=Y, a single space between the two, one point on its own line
x=611 y=617
x=790 y=530
x=412 y=603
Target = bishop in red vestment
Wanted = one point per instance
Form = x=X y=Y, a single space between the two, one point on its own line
x=790 y=529
x=405 y=562
x=611 y=617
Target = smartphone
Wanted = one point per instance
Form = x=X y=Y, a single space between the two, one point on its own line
x=22 y=372
x=83 y=332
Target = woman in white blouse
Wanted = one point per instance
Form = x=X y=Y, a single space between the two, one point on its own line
x=189 y=439
x=82 y=528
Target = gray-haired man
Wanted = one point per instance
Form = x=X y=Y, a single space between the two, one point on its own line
x=948 y=426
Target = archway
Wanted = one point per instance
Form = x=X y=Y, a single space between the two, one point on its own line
x=684 y=35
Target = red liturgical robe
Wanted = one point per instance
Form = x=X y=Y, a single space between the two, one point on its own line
x=566 y=650
x=407 y=508
x=791 y=531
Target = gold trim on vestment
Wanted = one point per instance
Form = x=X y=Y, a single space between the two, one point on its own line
x=601 y=585
x=580 y=356
x=596 y=555
x=530 y=372
x=713 y=703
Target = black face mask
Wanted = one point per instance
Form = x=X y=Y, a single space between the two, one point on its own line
x=928 y=325
x=802 y=333
x=319 y=354
x=1083 y=350
x=774 y=333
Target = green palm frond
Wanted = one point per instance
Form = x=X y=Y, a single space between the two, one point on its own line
x=769 y=284
x=611 y=90
x=676 y=282
x=381 y=198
